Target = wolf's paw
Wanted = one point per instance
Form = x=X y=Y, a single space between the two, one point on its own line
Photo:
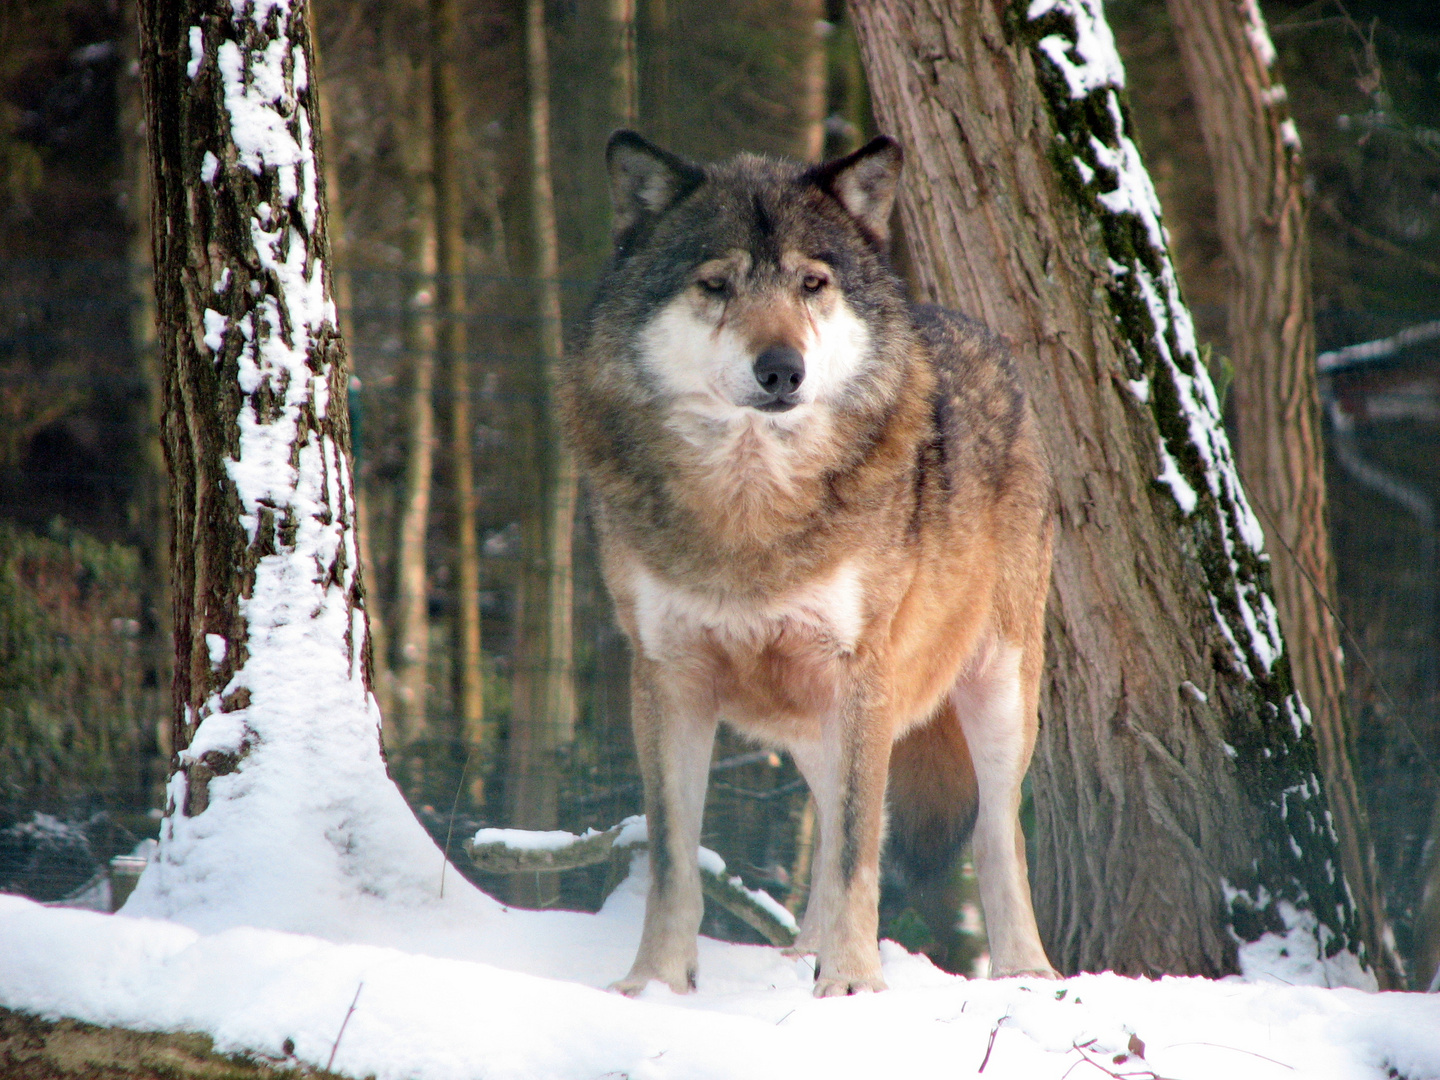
x=636 y=981
x=1025 y=973
x=842 y=986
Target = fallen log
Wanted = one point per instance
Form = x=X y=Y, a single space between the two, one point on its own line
x=516 y=851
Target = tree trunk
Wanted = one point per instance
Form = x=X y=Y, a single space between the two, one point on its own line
x=1259 y=186
x=344 y=303
x=543 y=712
x=624 y=69
x=814 y=83
x=1176 y=806
x=149 y=525
x=279 y=789
x=654 y=66
x=412 y=592
x=449 y=129
x=1427 y=914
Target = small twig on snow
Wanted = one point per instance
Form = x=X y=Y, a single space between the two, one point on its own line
x=1136 y=1051
x=1237 y=1049
x=450 y=829
x=341 y=1034
x=991 y=1044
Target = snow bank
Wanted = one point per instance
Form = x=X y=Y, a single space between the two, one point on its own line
x=444 y=995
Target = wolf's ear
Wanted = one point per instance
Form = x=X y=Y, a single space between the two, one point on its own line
x=644 y=180
x=864 y=183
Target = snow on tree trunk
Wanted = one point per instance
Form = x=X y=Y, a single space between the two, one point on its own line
x=1181 y=826
x=279 y=805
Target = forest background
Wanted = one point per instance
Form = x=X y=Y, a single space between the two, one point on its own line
x=434 y=182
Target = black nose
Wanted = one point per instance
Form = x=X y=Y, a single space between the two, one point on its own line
x=780 y=370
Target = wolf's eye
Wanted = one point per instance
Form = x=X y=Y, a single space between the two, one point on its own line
x=713 y=286
x=813 y=283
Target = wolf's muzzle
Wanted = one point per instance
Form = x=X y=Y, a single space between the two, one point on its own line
x=779 y=370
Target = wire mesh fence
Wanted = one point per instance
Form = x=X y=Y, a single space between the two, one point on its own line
x=84 y=701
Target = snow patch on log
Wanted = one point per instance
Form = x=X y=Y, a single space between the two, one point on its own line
x=509 y=851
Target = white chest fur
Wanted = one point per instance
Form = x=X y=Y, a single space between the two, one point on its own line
x=667 y=617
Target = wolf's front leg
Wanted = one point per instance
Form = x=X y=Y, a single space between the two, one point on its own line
x=847 y=775
x=673 y=744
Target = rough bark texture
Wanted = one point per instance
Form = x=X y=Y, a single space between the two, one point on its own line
x=449 y=126
x=1170 y=741
x=1259 y=185
x=224 y=297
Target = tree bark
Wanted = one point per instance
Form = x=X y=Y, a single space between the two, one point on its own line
x=1259 y=185
x=279 y=787
x=205 y=254
x=1427 y=914
x=449 y=139
x=1177 y=811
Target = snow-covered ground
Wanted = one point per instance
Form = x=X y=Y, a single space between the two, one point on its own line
x=464 y=987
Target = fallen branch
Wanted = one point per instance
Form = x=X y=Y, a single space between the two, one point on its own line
x=515 y=851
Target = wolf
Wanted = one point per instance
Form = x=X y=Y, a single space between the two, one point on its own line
x=825 y=518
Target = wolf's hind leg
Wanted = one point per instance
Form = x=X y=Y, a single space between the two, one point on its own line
x=996 y=707
x=673 y=744
x=807 y=942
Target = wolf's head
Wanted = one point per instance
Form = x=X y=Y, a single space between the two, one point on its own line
x=750 y=288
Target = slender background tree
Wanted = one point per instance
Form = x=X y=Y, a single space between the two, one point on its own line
x=1254 y=150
